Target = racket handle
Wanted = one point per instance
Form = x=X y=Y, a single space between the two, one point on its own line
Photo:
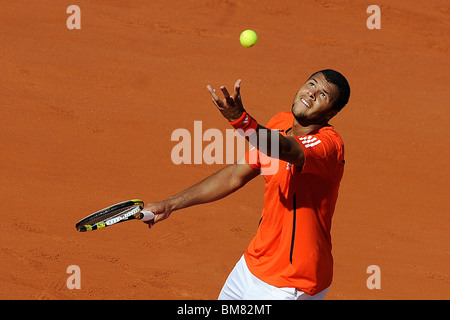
x=145 y=216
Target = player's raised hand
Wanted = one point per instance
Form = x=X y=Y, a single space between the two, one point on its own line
x=231 y=106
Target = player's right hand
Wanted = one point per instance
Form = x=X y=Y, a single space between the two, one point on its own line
x=161 y=209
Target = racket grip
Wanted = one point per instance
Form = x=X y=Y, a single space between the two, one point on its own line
x=146 y=216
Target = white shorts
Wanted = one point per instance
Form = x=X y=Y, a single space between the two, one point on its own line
x=243 y=285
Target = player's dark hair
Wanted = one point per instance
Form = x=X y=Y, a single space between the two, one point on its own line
x=341 y=82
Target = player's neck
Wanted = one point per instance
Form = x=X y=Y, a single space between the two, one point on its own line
x=302 y=130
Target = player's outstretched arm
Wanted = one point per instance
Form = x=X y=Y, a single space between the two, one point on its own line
x=232 y=109
x=215 y=187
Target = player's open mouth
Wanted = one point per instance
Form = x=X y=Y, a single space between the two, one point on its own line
x=305 y=103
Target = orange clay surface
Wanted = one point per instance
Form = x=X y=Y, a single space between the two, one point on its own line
x=86 y=118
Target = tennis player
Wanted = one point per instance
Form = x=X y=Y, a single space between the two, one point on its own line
x=290 y=256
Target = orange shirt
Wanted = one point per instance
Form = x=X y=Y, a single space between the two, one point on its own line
x=292 y=246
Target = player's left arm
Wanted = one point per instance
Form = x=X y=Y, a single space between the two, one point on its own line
x=217 y=186
x=232 y=109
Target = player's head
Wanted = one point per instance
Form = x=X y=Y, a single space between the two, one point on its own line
x=321 y=97
x=341 y=82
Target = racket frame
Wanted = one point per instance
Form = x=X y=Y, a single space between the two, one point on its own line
x=131 y=209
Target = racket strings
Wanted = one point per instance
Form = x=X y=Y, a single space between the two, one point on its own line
x=109 y=215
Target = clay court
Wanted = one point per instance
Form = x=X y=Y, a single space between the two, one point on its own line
x=87 y=115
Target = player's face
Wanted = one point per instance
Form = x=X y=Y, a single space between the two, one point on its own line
x=313 y=102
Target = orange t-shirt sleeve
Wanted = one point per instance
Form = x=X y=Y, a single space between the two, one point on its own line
x=321 y=154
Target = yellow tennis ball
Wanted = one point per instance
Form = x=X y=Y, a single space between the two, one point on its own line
x=248 y=38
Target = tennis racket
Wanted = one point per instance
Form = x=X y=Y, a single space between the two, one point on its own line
x=124 y=211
